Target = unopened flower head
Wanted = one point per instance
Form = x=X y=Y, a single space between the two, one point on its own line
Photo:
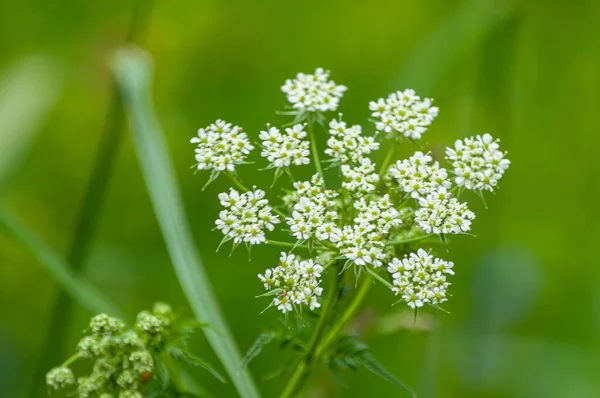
x=441 y=213
x=104 y=325
x=418 y=176
x=361 y=179
x=221 y=146
x=284 y=150
x=403 y=113
x=313 y=215
x=246 y=216
x=420 y=279
x=478 y=163
x=60 y=378
x=313 y=92
x=297 y=283
x=347 y=144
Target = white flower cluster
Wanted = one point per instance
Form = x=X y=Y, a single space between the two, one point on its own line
x=478 y=163
x=221 y=146
x=440 y=213
x=418 y=176
x=284 y=150
x=362 y=242
x=420 y=279
x=403 y=112
x=361 y=179
x=347 y=144
x=313 y=92
x=246 y=216
x=297 y=282
x=312 y=217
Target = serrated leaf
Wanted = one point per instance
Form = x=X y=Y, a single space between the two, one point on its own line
x=256 y=348
x=190 y=359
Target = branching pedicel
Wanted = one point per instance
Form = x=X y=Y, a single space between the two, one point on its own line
x=372 y=222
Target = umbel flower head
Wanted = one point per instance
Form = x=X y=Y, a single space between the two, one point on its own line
x=313 y=92
x=221 y=146
x=478 y=163
x=370 y=215
x=403 y=113
x=294 y=283
x=420 y=279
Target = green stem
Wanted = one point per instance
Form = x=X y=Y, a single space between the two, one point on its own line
x=346 y=316
x=418 y=238
x=388 y=159
x=315 y=150
x=71 y=359
x=378 y=277
x=300 y=375
x=285 y=244
x=55 y=340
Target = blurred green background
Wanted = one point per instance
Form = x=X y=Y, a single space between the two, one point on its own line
x=525 y=311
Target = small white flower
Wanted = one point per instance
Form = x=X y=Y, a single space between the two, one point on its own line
x=60 y=378
x=360 y=179
x=297 y=280
x=403 y=113
x=221 y=147
x=418 y=176
x=420 y=279
x=478 y=163
x=284 y=150
x=347 y=144
x=246 y=216
x=313 y=92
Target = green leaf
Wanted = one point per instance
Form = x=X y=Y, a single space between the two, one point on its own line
x=366 y=360
x=78 y=288
x=256 y=348
x=133 y=71
x=192 y=360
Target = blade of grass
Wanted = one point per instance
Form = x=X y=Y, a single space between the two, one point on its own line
x=132 y=68
x=75 y=286
x=89 y=213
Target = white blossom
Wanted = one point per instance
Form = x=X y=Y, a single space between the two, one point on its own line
x=418 y=176
x=362 y=243
x=246 y=216
x=420 y=279
x=60 y=377
x=221 y=147
x=361 y=179
x=403 y=113
x=313 y=92
x=478 y=163
x=284 y=150
x=313 y=215
x=440 y=213
x=297 y=283
x=347 y=144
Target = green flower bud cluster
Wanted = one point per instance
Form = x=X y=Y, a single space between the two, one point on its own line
x=123 y=358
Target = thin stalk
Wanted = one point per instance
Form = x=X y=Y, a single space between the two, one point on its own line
x=286 y=244
x=346 y=316
x=378 y=277
x=418 y=238
x=55 y=339
x=300 y=375
x=315 y=150
x=388 y=159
